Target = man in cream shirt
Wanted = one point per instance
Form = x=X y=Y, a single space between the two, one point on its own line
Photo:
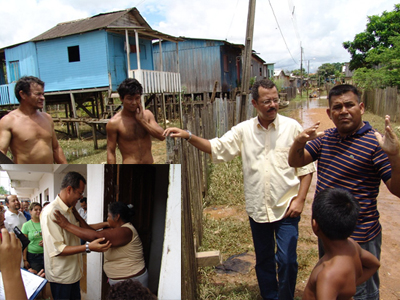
x=62 y=250
x=274 y=191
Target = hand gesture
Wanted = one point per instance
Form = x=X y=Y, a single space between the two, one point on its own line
x=26 y=265
x=389 y=142
x=310 y=134
x=176 y=132
x=60 y=220
x=97 y=246
x=295 y=208
x=139 y=113
x=10 y=251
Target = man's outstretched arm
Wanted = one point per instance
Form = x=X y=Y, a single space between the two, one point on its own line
x=200 y=143
x=298 y=155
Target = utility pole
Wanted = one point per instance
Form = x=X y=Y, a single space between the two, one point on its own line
x=308 y=74
x=301 y=71
x=248 y=47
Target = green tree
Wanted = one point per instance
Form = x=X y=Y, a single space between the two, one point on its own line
x=297 y=72
x=387 y=67
x=3 y=191
x=376 y=37
x=325 y=71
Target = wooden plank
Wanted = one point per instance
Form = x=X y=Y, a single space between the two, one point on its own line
x=208 y=258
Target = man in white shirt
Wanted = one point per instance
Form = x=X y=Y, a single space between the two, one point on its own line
x=62 y=250
x=275 y=192
x=13 y=217
x=83 y=210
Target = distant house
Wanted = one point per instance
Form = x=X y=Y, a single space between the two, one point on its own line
x=281 y=76
x=78 y=60
x=202 y=62
x=269 y=69
x=348 y=75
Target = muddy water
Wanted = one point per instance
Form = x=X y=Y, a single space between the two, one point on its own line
x=304 y=110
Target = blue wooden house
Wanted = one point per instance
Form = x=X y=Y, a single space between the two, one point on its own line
x=80 y=60
x=202 y=62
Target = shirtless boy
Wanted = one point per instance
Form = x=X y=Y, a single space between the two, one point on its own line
x=132 y=128
x=28 y=132
x=345 y=264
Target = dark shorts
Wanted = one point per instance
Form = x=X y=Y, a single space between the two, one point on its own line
x=36 y=261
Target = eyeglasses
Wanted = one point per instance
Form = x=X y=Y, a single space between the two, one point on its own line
x=269 y=102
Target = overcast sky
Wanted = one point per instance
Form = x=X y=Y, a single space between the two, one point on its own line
x=319 y=26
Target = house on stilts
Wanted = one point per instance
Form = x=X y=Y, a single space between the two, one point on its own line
x=82 y=62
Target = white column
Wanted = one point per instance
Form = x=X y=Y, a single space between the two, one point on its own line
x=170 y=274
x=128 y=51
x=95 y=208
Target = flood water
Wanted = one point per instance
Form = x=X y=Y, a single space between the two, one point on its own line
x=301 y=110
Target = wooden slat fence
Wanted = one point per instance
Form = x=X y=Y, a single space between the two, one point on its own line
x=383 y=102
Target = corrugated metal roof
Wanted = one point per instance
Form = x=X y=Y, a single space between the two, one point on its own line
x=96 y=22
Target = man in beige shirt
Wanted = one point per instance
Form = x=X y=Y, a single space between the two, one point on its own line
x=62 y=250
x=274 y=191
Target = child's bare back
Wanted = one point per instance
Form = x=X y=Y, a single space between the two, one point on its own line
x=334 y=276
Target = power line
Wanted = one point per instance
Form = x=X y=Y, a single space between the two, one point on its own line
x=233 y=17
x=292 y=9
x=281 y=32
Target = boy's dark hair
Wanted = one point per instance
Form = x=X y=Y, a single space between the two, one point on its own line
x=129 y=86
x=341 y=89
x=130 y=290
x=72 y=179
x=336 y=212
x=265 y=83
x=125 y=212
x=84 y=199
x=24 y=84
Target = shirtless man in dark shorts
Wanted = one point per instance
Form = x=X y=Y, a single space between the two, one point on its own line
x=132 y=128
x=28 y=132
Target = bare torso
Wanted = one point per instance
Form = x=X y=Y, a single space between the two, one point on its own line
x=133 y=140
x=347 y=266
x=30 y=139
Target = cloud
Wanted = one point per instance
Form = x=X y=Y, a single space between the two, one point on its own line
x=321 y=26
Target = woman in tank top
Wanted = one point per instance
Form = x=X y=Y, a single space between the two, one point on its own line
x=124 y=260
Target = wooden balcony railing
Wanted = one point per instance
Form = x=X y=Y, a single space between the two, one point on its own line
x=154 y=82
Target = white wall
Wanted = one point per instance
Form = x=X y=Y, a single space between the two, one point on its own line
x=170 y=275
x=95 y=210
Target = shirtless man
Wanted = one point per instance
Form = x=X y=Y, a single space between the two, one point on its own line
x=28 y=132
x=345 y=264
x=132 y=128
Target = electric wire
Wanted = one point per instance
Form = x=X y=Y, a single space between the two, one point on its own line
x=281 y=31
x=233 y=17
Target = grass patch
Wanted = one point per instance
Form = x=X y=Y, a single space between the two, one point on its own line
x=209 y=290
x=226 y=184
x=230 y=236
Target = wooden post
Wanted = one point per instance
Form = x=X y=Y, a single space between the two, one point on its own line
x=75 y=115
x=247 y=59
x=128 y=51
